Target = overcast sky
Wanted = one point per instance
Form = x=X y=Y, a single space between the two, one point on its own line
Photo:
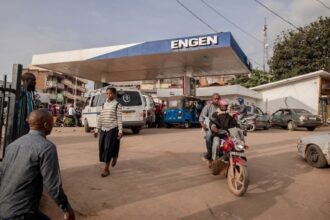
x=42 y=26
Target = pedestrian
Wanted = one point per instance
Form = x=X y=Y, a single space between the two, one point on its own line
x=54 y=110
x=30 y=163
x=73 y=114
x=159 y=114
x=26 y=104
x=110 y=130
x=207 y=112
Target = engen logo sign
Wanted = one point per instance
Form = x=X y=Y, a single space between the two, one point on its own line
x=194 y=42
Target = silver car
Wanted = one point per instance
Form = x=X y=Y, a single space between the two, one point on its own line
x=315 y=149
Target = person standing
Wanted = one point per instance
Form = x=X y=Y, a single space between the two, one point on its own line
x=110 y=130
x=26 y=104
x=30 y=163
x=208 y=111
x=73 y=114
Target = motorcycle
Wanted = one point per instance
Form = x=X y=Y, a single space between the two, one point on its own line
x=246 y=123
x=230 y=161
x=249 y=122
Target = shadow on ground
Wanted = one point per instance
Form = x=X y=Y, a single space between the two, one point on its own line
x=137 y=180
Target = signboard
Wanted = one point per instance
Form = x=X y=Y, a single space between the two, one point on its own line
x=50 y=84
x=59 y=97
x=194 y=42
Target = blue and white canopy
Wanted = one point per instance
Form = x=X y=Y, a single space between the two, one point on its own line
x=205 y=55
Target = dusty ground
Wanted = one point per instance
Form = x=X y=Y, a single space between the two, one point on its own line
x=160 y=176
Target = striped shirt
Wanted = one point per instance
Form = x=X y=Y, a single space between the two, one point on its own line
x=110 y=117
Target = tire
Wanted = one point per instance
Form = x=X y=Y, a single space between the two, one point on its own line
x=291 y=126
x=135 y=130
x=237 y=179
x=311 y=128
x=186 y=124
x=268 y=125
x=284 y=127
x=251 y=127
x=315 y=157
x=168 y=125
x=87 y=129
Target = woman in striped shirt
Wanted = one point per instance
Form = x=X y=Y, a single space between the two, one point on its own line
x=110 y=129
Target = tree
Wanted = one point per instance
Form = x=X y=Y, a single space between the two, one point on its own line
x=303 y=51
x=257 y=77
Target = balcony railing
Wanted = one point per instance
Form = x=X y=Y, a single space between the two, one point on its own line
x=82 y=89
x=71 y=85
x=68 y=83
x=54 y=84
x=68 y=95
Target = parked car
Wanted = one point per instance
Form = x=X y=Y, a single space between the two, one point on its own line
x=262 y=118
x=132 y=103
x=293 y=118
x=315 y=149
x=182 y=112
x=150 y=109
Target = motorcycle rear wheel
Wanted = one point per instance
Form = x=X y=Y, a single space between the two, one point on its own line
x=237 y=179
x=251 y=127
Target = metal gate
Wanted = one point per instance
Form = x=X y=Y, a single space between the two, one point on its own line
x=9 y=96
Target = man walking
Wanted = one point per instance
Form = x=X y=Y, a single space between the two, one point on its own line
x=29 y=163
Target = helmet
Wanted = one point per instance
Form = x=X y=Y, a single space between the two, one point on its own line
x=223 y=102
x=240 y=100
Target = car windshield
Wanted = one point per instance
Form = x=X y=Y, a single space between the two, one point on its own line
x=301 y=111
x=129 y=98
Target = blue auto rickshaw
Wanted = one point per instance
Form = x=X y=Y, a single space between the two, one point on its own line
x=183 y=112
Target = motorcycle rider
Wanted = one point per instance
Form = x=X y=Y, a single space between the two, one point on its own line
x=242 y=108
x=207 y=112
x=220 y=122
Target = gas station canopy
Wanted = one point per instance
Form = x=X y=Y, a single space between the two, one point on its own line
x=204 y=55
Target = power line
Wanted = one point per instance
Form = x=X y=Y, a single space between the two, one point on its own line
x=237 y=26
x=204 y=22
x=196 y=16
x=322 y=3
x=255 y=62
x=283 y=19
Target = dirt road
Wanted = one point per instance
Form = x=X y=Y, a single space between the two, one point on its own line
x=160 y=176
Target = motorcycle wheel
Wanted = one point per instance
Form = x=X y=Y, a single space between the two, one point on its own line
x=251 y=127
x=237 y=179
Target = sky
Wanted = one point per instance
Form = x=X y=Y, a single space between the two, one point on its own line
x=43 y=26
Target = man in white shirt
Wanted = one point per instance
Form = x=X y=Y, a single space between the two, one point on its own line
x=72 y=112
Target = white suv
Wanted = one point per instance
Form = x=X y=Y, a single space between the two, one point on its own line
x=132 y=112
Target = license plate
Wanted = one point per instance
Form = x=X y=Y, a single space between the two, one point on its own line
x=239 y=154
x=312 y=118
x=128 y=114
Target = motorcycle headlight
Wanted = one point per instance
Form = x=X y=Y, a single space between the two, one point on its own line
x=302 y=118
x=239 y=147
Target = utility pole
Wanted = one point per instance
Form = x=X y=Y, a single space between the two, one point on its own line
x=75 y=93
x=265 y=50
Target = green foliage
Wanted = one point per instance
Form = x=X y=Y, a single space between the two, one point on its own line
x=257 y=77
x=303 y=51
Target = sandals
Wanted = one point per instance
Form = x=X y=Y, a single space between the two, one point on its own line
x=105 y=174
x=114 y=161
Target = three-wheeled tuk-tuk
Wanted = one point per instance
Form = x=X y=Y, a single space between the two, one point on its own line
x=182 y=112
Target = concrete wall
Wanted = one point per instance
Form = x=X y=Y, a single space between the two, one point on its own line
x=301 y=94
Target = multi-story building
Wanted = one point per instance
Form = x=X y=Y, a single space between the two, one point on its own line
x=151 y=86
x=64 y=89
